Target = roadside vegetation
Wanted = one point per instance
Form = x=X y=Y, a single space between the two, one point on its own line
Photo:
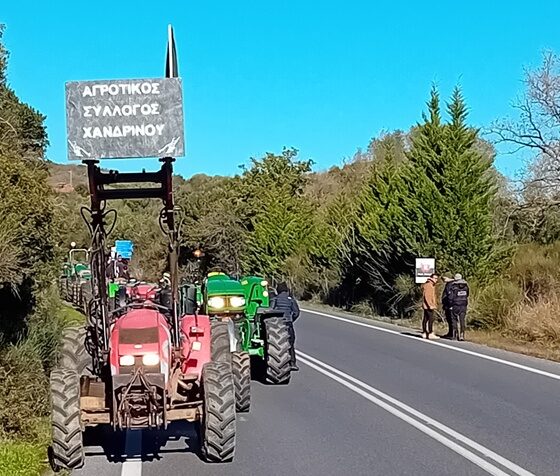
x=346 y=237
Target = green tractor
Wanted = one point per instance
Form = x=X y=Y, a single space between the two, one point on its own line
x=254 y=330
x=264 y=332
x=75 y=279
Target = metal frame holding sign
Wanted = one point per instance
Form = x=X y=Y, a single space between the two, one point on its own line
x=130 y=118
x=424 y=268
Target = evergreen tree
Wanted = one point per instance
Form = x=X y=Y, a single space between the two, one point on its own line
x=275 y=212
x=450 y=189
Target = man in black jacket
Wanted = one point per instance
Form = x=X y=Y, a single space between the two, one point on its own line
x=459 y=301
x=288 y=305
x=445 y=303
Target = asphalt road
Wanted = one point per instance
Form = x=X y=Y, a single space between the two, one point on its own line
x=372 y=399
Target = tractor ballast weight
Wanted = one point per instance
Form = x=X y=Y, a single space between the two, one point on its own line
x=142 y=365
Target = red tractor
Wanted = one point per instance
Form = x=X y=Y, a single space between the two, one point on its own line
x=141 y=365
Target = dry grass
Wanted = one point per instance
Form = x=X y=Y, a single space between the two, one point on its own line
x=497 y=340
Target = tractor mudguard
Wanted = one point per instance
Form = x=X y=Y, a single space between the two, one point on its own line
x=232 y=336
x=265 y=313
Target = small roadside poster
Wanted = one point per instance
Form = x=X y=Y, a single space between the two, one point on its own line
x=425 y=267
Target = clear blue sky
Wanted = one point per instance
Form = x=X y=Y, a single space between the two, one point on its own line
x=322 y=76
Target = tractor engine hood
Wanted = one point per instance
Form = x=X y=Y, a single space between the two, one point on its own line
x=140 y=339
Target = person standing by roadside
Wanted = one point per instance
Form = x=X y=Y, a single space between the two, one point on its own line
x=459 y=300
x=446 y=305
x=429 y=305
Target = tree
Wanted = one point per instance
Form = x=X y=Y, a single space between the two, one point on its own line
x=451 y=189
x=537 y=127
x=435 y=201
x=274 y=211
x=27 y=209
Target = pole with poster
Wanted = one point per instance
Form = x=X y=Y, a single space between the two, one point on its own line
x=424 y=268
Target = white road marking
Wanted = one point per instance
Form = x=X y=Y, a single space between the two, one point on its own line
x=368 y=393
x=440 y=344
x=133 y=447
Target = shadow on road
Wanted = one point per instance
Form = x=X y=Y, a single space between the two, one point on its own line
x=412 y=334
x=180 y=437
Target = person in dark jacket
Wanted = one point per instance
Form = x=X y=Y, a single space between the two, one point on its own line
x=459 y=301
x=446 y=305
x=288 y=305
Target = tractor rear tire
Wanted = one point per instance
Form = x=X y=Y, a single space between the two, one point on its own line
x=218 y=421
x=73 y=354
x=87 y=296
x=220 y=350
x=277 y=351
x=67 y=450
x=241 y=367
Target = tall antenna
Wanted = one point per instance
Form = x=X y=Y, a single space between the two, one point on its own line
x=171 y=65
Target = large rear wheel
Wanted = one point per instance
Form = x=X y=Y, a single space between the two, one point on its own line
x=73 y=354
x=218 y=421
x=241 y=366
x=277 y=351
x=67 y=450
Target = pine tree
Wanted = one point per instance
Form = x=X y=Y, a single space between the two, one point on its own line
x=449 y=193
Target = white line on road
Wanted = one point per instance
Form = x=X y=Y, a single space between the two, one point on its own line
x=132 y=447
x=440 y=344
x=368 y=393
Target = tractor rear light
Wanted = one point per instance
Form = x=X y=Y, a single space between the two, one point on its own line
x=126 y=360
x=196 y=345
x=197 y=330
x=149 y=360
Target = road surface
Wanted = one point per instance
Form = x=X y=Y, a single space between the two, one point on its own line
x=373 y=399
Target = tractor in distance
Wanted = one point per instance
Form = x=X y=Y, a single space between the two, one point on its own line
x=75 y=279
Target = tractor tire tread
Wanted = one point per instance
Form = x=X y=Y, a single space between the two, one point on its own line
x=67 y=440
x=241 y=367
x=277 y=351
x=219 y=421
x=219 y=345
x=73 y=353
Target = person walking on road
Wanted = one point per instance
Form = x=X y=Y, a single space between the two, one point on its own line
x=446 y=305
x=429 y=305
x=459 y=300
x=288 y=305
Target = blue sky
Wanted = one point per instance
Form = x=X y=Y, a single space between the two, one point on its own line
x=321 y=76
